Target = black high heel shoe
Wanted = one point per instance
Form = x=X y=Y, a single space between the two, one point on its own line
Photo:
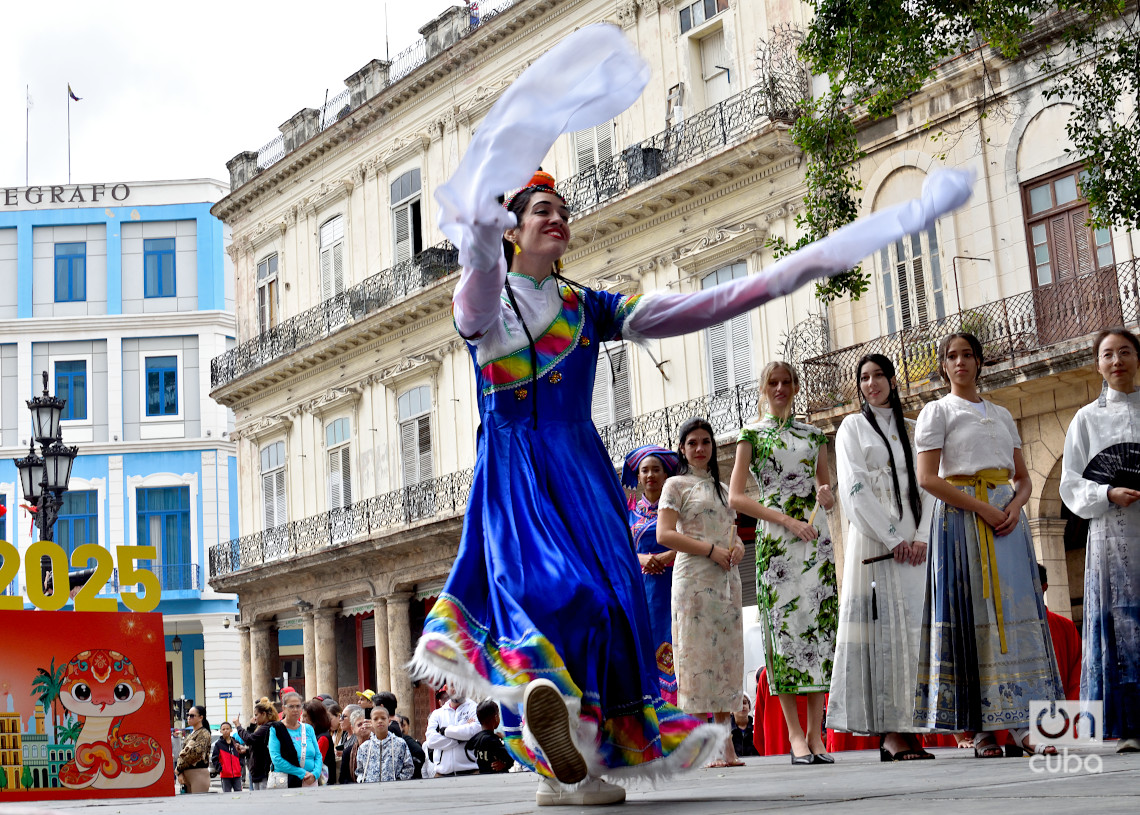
x=822 y=758
x=808 y=759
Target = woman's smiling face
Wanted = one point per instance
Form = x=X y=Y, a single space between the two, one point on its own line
x=545 y=226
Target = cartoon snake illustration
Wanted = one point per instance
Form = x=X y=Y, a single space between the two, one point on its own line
x=103 y=687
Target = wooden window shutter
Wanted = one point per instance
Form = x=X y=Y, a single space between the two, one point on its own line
x=403 y=226
x=424 y=434
x=409 y=458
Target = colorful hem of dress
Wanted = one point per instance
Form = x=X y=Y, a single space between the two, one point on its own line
x=657 y=740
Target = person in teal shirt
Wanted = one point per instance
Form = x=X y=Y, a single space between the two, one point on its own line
x=293 y=746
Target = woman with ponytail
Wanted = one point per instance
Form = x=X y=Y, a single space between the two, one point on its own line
x=880 y=608
x=545 y=610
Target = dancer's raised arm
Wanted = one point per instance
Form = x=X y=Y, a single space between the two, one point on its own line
x=667 y=315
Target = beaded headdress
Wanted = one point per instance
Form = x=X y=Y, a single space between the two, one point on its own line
x=541 y=181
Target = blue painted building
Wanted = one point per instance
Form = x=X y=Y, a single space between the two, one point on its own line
x=122 y=293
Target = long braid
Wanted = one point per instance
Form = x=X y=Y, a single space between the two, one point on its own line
x=915 y=498
x=888 y=369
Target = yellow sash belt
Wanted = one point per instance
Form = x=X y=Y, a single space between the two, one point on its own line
x=983 y=481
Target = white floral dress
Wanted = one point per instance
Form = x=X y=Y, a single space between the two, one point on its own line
x=708 y=631
x=795 y=579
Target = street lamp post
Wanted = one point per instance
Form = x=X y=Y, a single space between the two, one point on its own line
x=44 y=478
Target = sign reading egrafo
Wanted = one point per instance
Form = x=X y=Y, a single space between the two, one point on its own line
x=88 y=599
x=65 y=194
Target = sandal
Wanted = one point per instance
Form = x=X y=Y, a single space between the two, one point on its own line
x=716 y=765
x=1020 y=745
x=986 y=746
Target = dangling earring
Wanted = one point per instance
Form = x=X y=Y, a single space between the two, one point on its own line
x=518 y=249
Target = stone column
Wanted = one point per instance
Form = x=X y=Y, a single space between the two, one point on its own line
x=1049 y=543
x=261 y=658
x=326 y=654
x=247 y=700
x=400 y=650
x=309 y=634
x=223 y=668
x=383 y=663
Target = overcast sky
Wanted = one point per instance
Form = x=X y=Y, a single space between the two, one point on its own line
x=174 y=90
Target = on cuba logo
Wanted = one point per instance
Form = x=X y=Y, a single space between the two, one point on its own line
x=1066 y=722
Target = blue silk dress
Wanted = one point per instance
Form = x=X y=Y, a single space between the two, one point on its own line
x=545 y=583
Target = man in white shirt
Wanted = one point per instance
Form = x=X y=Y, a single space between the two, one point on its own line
x=448 y=729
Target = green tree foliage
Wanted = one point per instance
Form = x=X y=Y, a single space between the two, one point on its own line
x=3 y=779
x=47 y=686
x=876 y=54
x=69 y=732
x=26 y=778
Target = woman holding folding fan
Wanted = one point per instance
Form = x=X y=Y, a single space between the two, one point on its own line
x=1100 y=481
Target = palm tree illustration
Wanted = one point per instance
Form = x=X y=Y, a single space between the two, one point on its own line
x=46 y=686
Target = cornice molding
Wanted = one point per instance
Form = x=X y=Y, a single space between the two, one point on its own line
x=406 y=148
x=263 y=427
x=327 y=194
x=334 y=400
x=719 y=244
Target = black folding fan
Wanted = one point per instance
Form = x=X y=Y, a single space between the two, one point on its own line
x=1117 y=466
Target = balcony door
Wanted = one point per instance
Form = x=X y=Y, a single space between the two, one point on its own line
x=1075 y=290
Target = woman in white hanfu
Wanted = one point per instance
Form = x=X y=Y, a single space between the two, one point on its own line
x=1110 y=658
x=986 y=652
x=880 y=606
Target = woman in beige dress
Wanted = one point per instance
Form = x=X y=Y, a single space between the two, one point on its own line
x=708 y=635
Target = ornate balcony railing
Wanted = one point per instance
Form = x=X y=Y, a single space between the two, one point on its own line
x=698 y=136
x=427 y=499
x=1009 y=328
x=368 y=296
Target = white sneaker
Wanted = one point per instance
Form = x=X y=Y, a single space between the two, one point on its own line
x=548 y=719
x=594 y=792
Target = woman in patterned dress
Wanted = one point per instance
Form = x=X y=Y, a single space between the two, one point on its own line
x=647 y=468
x=795 y=565
x=708 y=632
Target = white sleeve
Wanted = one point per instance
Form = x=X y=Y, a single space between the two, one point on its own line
x=1086 y=498
x=667 y=315
x=588 y=78
x=860 y=504
x=930 y=430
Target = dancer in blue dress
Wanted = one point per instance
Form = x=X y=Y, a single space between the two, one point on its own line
x=544 y=609
x=647 y=468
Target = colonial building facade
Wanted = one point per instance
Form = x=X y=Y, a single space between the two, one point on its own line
x=121 y=292
x=354 y=397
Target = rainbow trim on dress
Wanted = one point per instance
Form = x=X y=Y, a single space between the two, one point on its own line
x=644 y=733
x=552 y=346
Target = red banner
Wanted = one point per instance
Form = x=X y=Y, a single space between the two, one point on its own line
x=83 y=706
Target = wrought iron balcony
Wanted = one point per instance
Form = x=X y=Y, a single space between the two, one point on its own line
x=318 y=322
x=698 y=136
x=427 y=499
x=1012 y=327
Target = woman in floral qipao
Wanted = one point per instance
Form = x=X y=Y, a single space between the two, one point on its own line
x=795 y=565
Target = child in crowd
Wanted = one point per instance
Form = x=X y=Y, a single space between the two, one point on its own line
x=486 y=745
x=383 y=757
x=362 y=730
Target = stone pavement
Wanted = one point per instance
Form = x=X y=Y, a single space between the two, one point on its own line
x=858 y=782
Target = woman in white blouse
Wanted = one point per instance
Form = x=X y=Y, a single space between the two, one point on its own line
x=880 y=607
x=1110 y=659
x=693 y=518
x=986 y=651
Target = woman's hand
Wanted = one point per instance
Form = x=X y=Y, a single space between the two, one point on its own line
x=992 y=515
x=650 y=564
x=825 y=496
x=720 y=556
x=1123 y=497
x=309 y=780
x=801 y=529
x=736 y=554
x=912 y=552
